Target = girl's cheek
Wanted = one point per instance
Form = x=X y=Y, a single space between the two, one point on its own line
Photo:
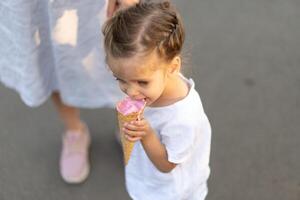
x=122 y=87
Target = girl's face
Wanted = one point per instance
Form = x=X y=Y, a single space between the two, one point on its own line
x=141 y=77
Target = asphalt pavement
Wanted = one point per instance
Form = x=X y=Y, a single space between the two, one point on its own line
x=244 y=56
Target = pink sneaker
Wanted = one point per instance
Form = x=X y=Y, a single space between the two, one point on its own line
x=74 y=160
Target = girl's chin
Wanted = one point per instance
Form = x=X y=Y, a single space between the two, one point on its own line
x=148 y=101
x=152 y=103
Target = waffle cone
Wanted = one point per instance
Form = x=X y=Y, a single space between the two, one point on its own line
x=127 y=145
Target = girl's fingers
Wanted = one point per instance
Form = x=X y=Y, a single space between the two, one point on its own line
x=135 y=130
x=141 y=122
x=141 y=117
x=132 y=139
x=135 y=126
x=133 y=133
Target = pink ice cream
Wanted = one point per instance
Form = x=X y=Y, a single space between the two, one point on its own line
x=128 y=110
x=129 y=105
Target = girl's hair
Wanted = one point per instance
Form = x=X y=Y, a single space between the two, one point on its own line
x=144 y=28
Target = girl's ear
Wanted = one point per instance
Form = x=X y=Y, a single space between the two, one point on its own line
x=175 y=65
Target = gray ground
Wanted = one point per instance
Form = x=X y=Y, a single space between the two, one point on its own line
x=244 y=56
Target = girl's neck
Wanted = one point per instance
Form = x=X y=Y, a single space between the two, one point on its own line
x=176 y=89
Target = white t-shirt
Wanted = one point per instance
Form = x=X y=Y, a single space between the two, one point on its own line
x=185 y=131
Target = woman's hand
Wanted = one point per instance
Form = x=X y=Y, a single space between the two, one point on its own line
x=137 y=130
x=114 y=5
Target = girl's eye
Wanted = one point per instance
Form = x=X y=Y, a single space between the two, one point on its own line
x=143 y=83
x=120 y=80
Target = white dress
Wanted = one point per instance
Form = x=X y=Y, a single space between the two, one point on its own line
x=56 y=45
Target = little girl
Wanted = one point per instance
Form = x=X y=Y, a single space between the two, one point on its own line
x=170 y=159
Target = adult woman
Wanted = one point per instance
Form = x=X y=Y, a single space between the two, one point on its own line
x=54 y=48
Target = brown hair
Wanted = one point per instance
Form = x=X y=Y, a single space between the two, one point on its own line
x=143 y=28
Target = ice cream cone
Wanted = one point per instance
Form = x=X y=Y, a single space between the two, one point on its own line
x=128 y=110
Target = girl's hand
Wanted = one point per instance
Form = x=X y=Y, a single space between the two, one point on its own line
x=137 y=130
x=127 y=3
x=114 y=5
x=156 y=151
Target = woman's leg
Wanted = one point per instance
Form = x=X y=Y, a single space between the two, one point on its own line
x=69 y=115
x=74 y=162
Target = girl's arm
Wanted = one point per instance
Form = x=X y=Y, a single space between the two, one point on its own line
x=156 y=151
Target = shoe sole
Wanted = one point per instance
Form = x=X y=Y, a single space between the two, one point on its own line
x=79 y=179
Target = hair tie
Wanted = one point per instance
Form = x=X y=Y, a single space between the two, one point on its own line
x=165 y=5
x=174 y=28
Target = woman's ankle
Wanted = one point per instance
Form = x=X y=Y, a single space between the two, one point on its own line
x=78 y=127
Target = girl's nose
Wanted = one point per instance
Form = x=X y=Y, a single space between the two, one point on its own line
x=132 y=92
